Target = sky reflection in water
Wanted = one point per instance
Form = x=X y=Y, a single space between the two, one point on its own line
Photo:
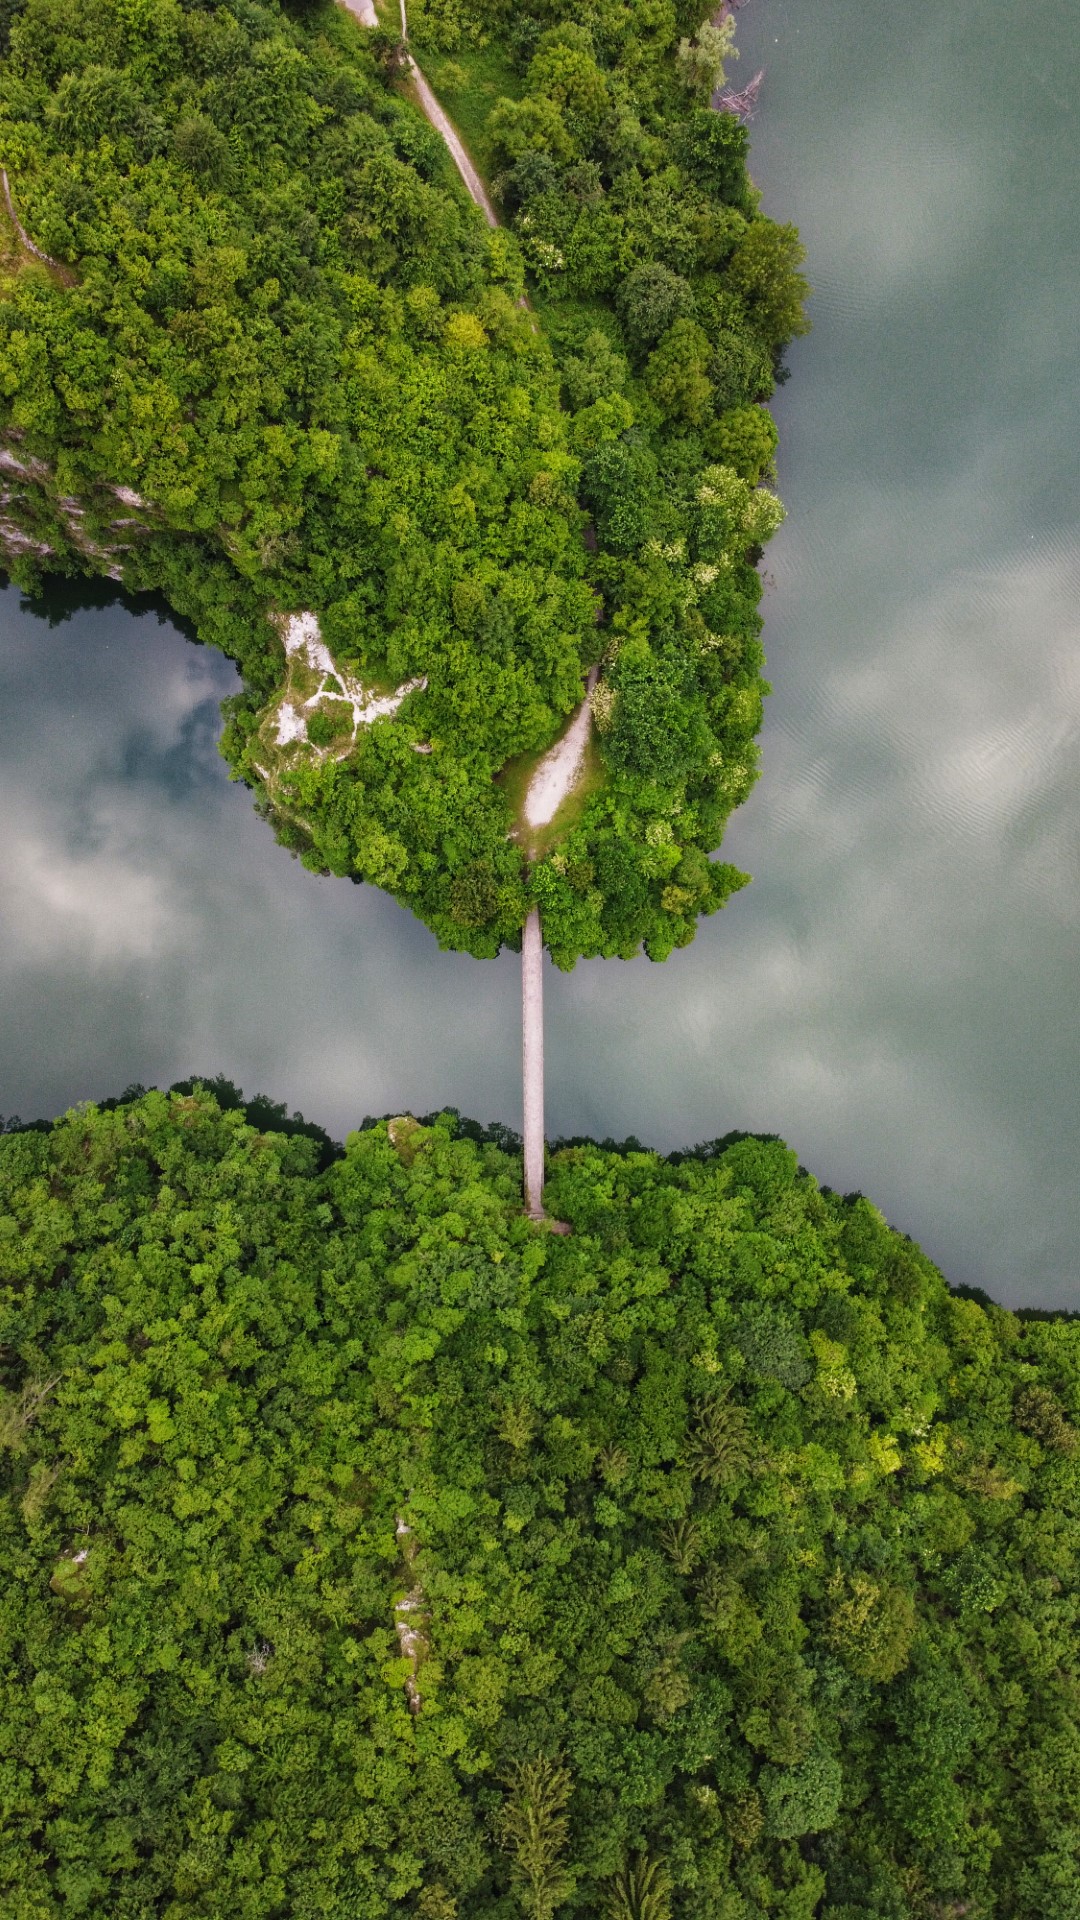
x=896 y=992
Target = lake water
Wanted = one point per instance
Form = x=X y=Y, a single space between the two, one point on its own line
x=897 y=992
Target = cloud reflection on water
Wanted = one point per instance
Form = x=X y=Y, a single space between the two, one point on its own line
x=896 y=991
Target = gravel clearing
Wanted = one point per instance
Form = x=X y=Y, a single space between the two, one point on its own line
x=303 y=638
x=558 y=772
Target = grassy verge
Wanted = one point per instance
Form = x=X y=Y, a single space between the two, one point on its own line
x=15 y=261
x=468 y=85
x=513 y=780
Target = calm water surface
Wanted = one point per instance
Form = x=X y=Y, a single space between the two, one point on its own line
x=897 y=992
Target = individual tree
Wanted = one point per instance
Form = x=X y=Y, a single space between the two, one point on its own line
x=764 y=272
x=712 y=150
x=650 y=300
x=745 y=439
x=699 y=62
x=641 y=1891
x=534 y=1826
x=676 y=373
x=564 y=71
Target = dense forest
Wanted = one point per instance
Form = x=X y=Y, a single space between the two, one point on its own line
x=369 y=1549
x=274 y=363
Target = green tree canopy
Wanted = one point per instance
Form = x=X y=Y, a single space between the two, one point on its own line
x=369 y=1548
x=280 y=371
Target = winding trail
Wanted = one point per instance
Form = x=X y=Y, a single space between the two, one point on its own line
x=21 y=230
x=553 y=781
x=458 y=152
x=410 y=1618
x=557 y=773
x=364 y=11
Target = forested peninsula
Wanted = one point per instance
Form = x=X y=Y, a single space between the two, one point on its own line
x=369 y=1549
x=417 y=477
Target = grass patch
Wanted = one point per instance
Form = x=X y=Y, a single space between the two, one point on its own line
x=567 y=321
x=15 y=261
x=324 y=702
x=330 y=724
x=513 y=780
x=468 y=85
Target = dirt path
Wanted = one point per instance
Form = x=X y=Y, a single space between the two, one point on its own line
x=364 y=11
x=458 y=154
x=20 y=229
x=304 y=643
x=409 y=1618
x=557 y=774
x=554 y=779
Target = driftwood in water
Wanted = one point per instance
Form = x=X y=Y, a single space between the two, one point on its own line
x=740 y=104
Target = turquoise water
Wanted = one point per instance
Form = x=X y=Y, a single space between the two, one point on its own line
x=896 y=993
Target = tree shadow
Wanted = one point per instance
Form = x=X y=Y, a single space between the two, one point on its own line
x=61 y=598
